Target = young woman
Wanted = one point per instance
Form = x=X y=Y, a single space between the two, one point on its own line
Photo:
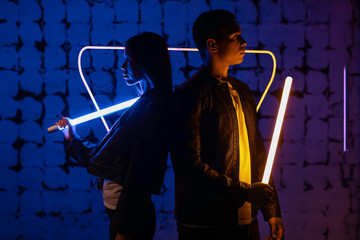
x=131 y=158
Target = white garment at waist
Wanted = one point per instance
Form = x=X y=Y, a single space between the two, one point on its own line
x=111 y=193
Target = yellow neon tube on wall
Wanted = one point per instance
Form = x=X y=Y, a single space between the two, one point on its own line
x=272 y=75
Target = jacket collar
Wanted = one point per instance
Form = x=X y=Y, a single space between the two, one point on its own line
x=205 y=70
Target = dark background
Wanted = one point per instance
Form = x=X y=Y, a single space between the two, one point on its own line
x=44 y=195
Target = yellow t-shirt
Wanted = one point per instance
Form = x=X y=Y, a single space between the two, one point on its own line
x=244 y=213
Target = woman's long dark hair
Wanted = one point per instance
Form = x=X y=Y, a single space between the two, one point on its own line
x=150 y=52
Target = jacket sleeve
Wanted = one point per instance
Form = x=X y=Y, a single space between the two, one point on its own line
x=272 y=209
x=80 y=150
x=189 y=167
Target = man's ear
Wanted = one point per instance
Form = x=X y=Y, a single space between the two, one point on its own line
x=211 y=45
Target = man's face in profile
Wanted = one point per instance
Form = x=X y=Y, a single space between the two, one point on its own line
x=232 y=45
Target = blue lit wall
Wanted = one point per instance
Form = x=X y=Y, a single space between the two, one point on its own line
x=44 y=195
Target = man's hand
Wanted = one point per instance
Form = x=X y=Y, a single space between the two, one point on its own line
x=276 y=229
x=260 y=194
x=67 y=129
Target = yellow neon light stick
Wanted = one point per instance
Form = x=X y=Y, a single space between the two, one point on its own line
x=277 y=130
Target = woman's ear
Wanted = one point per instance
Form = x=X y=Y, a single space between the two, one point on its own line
x=211 y=45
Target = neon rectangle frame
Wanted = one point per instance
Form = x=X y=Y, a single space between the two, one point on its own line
x=128 y=103
x=170 y=49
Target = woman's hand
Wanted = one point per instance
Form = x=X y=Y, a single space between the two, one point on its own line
x=67 y=129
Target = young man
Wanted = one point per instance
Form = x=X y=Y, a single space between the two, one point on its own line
x=218 y=154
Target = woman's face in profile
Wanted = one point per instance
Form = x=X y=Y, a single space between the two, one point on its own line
x=132 y=73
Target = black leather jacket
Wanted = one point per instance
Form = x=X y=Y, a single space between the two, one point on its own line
x=133 y=154
x=205 y=152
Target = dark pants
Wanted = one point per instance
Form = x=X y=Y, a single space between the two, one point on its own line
x=147 y=225
x=244 y=232
x=112 y=231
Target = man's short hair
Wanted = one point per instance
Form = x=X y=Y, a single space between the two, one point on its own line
x=211 y=24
